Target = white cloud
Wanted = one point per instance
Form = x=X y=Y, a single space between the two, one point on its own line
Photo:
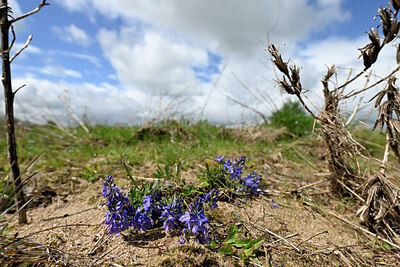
x=92 y=59
x=156 y=63
x=173 y=36
x=73 y=34
x=42 y=100
x=234 y=29
x=59 y=71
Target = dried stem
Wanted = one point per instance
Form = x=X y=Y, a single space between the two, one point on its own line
x=42 y=4
x=28 y=41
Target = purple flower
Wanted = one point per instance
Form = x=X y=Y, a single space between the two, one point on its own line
x=211 y=198
x=142 y=221
x=250 y=183
x=219 y=158
x=234 y=168
x=120 y=211
x=171 y=214
x=273 y=204
x=195 y=222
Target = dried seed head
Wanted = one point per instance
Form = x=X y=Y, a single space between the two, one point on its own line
x=295 y=78
x=373 y=54
x=366 y=60
x=385 y=15
x=396 y=4
x=286 y=87
x=374 y=37
x=278 y=61
x=370 y=54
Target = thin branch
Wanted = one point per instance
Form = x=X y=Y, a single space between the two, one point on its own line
x=248 y=90
x=248 y=107
x=307 y=108
x=351 y=191
x=314 y=235
x=385 y=154
x=347 y=79
x=42 y=4
x=22 y=86
x=280 y=239
x=359 y=102
x=212 y=90
x=13 y=40
x=276 y=235
x=372 y=85
x=351 y=80
x=22 y=48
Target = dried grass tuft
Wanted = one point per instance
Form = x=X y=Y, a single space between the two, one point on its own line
x=381 y=210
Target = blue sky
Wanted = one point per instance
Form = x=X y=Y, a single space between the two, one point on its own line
x=136 y=61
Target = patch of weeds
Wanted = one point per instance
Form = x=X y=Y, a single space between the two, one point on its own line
x=215 y=177
x=136 y=194
x=292 y=116
x=373 y=141
x=345 y=204
x=168 y=171
x=233 y=245
x=91 y=173
x=192 y=190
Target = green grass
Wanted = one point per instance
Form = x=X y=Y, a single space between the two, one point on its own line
x=107 y=148
x=292 y=116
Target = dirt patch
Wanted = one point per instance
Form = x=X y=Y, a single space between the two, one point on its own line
x=75 y=228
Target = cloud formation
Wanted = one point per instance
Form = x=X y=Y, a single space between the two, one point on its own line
x=73 y=34
x=204 y=52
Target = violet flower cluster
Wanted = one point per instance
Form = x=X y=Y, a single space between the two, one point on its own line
x=250 y=183
x=151 y=207
x=233 y=167
x=195 y=219
x=171 y=214
x=122 y=214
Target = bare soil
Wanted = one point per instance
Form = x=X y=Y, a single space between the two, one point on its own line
x=71 y=228
x=310 y=227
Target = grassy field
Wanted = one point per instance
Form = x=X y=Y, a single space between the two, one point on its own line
x=308 y=227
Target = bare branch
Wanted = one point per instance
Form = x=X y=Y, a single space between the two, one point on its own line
x=22 y=48
x=248 y=107
x=359 y=102
x=42 y=4
x=22 y=86
x=13 y=40
x=372 y=85
x=212 y=89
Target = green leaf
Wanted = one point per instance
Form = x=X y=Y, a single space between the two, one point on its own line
x=257 y=242
x=202 y=184
x=232 y=234
x=227 y=250
x=243 y=257
x=386 y=246
x=242 y=243
x=248 y=251
x=211 y=245
x=253 y=245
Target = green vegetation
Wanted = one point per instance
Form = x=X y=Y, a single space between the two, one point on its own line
x=179 y=158
x=244 y=248
x=173 y=146
x=293 y=118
